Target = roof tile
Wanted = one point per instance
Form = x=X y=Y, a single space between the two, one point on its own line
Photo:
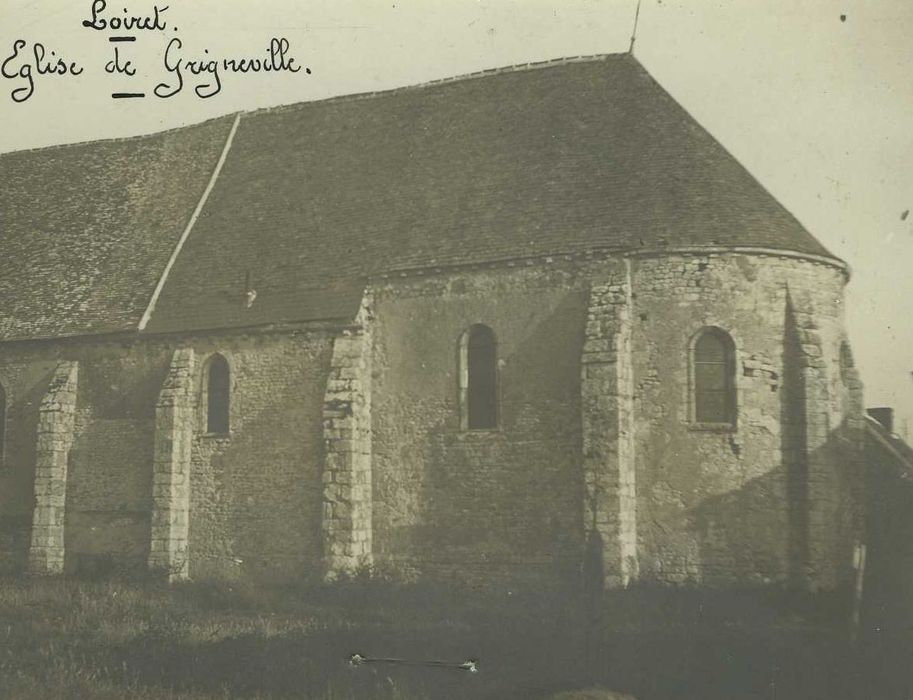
x=315 y=198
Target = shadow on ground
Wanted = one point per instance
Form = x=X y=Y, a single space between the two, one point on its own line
x=649 y=642
x=652 y=643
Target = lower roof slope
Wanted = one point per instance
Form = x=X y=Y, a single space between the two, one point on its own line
x=86 y=230
x=317 y=197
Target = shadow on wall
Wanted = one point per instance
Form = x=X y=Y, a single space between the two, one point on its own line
x=797 y=524
x=109 y=496
x=759 y=533
x=109 y=466
x=19 y=497
x=794 y=448
x=505 y=503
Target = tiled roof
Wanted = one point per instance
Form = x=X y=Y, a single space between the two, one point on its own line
x=86 y=230
x=315 y=198
x=899 y=452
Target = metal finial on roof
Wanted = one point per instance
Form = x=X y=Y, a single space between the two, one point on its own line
x=634 y=32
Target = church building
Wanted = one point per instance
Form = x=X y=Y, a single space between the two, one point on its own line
x=510 y=326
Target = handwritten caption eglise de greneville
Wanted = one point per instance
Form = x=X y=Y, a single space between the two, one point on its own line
x=27 y=63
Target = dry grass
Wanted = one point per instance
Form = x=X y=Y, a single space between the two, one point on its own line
x=68 y=639
x=80 y=639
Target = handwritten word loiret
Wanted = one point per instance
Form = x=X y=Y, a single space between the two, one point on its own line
x=276 y=59
x=128 y=22
x=24 y=65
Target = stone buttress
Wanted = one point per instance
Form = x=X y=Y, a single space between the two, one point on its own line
x=56 y=427
x=610 y=515
x=823 y=451
x=347 y=483
x=174 y=419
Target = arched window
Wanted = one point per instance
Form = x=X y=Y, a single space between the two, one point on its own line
x=2 y=421
x=479 y=378
x=713 y=372
x=218 y=394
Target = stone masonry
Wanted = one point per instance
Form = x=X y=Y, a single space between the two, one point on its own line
x=55 y=437
x=574 y=209
x=347 y=490
x=607 y=395
x=346 y=452
x=174 y=413
x=817 y=455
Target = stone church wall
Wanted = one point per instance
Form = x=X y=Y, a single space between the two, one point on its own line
x=776 y=499
x=479 y=504
x=107 y=485
x=346 y=447
x=255 y=495
x=26 y=372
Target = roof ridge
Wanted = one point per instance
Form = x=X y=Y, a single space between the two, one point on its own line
x=121 y=139
x=475 y=75
x=588 y=153
x=462 y=77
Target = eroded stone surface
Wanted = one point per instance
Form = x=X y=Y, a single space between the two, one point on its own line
x=346 y=451
x=55 y=436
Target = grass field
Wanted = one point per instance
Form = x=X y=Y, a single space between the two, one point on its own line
x=80 y=639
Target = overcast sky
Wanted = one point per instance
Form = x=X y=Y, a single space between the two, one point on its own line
x=815 y=97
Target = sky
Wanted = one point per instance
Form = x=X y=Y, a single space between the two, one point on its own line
x=814 y=97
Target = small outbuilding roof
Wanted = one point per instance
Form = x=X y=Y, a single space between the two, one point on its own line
x=315 y=198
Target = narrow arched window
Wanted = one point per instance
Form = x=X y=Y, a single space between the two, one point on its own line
x=2 y=421
x=218 y=394
x=714 y=378
x=479 y=378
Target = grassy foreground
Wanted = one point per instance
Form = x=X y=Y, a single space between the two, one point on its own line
x=78 y=639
